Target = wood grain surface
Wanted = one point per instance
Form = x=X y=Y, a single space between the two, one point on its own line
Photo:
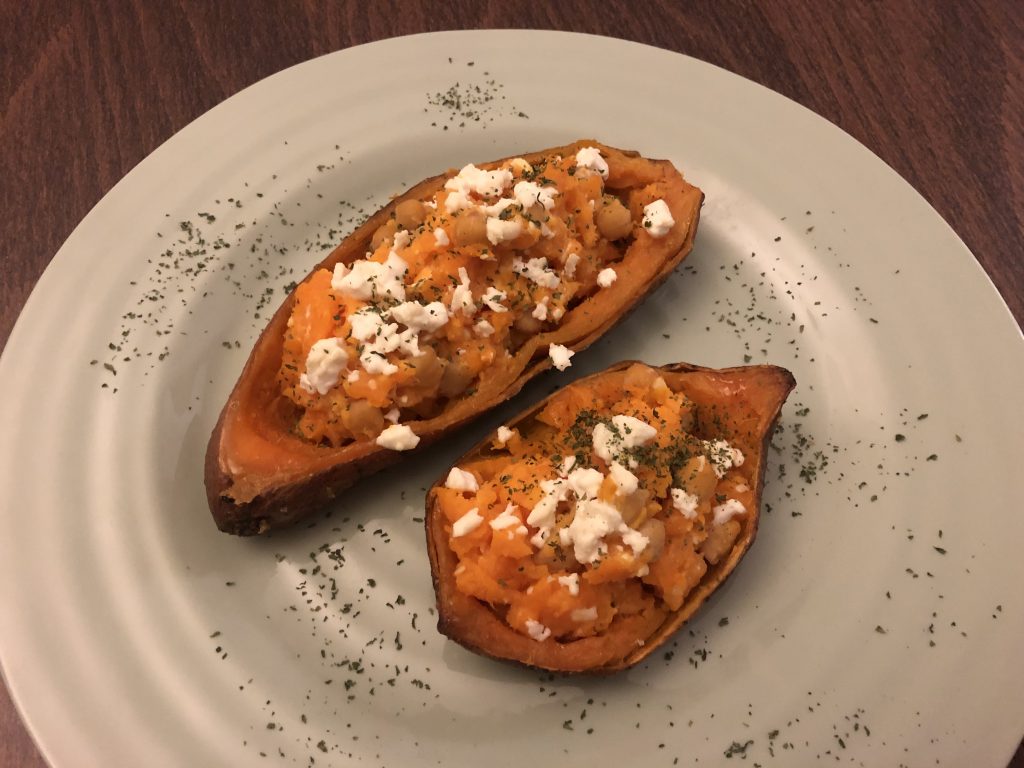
x=88 y=89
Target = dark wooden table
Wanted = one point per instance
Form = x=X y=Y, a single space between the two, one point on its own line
x=89 y=88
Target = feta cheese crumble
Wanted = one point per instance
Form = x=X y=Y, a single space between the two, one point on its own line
x=461 y=480
x=590 y=159
x=723 y=456
x=606 y=277
x=462 y=296
x=421 y=317
x=507 y=519
x=441 y=237
x=571 y=582
x=540 y=312
x=369 y=280
x=626 y=432
x=658 y=218
x=560 y=355
x=569 y=270
x=685 y=503
x=468 y=523
x=585 y=483
x=500 y=231
x=504 y=434
x=727 y=510
x=324 y=364
x=537 y=631
x=528 y=194
x=398 y=437
x=493 y=297
x=627 y=483
x=593 y=521
x=536 y=271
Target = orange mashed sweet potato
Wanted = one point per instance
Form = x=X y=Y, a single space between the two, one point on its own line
x=605 y=507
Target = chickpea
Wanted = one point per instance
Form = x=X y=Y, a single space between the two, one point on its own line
x=698 y=477
x=386 y=231
x=720 y=541
x=613 y=219
x=456 y=379
x=470 y=228
x=362 y=419
x=654 y=530
x=409 y=214
x=428 y=370
x=528 y=324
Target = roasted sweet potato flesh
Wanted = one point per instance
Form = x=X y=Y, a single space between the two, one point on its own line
x=586 y=532
x=542 y=274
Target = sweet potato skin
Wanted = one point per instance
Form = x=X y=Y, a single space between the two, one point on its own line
x=286 y=478
x=474 y=625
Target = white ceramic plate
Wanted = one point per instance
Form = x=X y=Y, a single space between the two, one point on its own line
x=877 y=620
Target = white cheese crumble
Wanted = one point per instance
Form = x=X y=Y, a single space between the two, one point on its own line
x=401 y=240
x=723 y=456
x=528 y=194
x=393 y=415
x=727 y=510
x=499 y=231
x=326 y=360
x=507 y=519
x=584 y=614
x=658 y=218
x=468 y=523
x=441 y=237
x=606 y=277
x=571 y=582
x=365 y=323
x=483 y=329
x=569 y=270
x=461 y=480
x=379 y=339
x=542 y=516
x=685 y=503
x=481 y=182
x=627 y=482
x=493 y=297
x=537 y=631
x=421 y=317
x=398 y=437
x=504 y=434
x=626 y=432
x=367 y=280
x=595 y=519
x=536 y=271
x=495 y=209
x=462 y=296
x=585 y=483
x=560 y=355
x=540 y=312
x=590 y=158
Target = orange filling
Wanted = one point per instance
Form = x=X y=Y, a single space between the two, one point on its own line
x=667 y=506
x=503 y=264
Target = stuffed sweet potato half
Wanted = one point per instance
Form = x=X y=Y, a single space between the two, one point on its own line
x=440 y=306
x=582 y=535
